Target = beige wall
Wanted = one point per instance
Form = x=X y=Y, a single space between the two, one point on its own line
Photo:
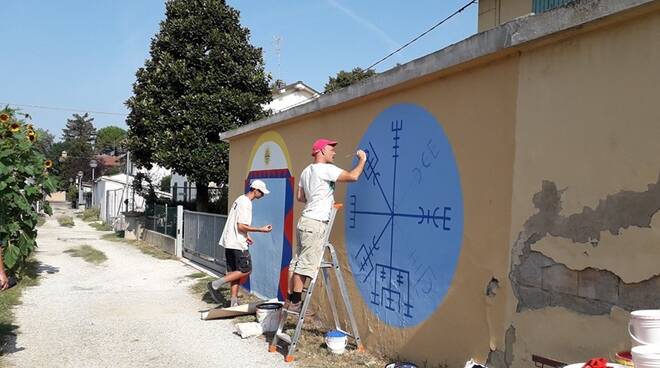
x=493 y=13
x=580 y=114
x=482 y=140
x=588 y=120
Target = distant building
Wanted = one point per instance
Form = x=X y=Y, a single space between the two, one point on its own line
x=291 y=95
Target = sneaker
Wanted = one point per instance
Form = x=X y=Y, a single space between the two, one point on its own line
x=294 y=307
x=215 y=294
x=234 y=302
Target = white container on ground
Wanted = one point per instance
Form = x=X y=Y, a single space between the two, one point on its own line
x=644 y=327
x=336 y=341
x=268 y=315
x=646 y=356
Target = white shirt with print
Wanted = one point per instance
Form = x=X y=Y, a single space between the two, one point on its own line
x=240 y=213
x=318 y=183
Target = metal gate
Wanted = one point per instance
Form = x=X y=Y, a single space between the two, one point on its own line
x=201 y=233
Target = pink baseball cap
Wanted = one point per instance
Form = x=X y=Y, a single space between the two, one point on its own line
x=320 y=144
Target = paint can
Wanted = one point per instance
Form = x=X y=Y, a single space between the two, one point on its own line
x=644 y=327
x=336 y=341
x=624 y=358
x=268 y=315
x=646 y=356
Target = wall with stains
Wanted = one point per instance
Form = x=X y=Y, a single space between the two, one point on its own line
x=586 y=202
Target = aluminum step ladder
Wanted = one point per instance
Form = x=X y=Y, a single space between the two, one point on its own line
x=324 y=268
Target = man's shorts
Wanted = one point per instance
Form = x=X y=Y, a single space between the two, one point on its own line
x=307 y=258
x=238 y=260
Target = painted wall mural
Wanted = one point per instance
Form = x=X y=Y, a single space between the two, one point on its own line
x=404 y=217
x=271 y=253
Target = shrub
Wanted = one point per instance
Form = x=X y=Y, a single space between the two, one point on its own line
x=91 y=214
x=24 y=181
x=66 y=221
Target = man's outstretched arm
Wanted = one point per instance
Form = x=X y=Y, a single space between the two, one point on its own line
x=354 y=175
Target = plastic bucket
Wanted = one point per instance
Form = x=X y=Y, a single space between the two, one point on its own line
x=268 y=315
x=336 y=341
x=646 y=356
x=644 y=327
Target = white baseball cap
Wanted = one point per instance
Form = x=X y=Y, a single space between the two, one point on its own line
x=260 y=185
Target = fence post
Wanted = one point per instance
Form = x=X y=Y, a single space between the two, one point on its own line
x=178 y=248
x=165 y=230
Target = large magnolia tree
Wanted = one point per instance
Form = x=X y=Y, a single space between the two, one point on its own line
x=203 y=78
x=24 y=181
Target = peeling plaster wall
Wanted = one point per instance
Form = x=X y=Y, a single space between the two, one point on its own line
x=586 y=202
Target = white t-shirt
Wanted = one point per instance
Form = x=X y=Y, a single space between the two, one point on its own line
x=318 y=183
x=240 y=213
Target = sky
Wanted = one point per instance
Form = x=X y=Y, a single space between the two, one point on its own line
x=81 y=56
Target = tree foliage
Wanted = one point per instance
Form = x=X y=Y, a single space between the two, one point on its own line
x=345 y=79
x=44 y=142
x=110 y=139
x=24 y=181
x=203 y=77
x=78 y=138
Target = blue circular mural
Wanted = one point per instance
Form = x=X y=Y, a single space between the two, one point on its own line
x=404 y=216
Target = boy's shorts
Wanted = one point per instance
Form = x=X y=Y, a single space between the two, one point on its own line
x=307 y=258
x=238 y=260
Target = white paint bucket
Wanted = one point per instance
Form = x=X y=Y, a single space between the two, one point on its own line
x=646 y=356
x=644 y=327
x=336 y=341
x=268 y=315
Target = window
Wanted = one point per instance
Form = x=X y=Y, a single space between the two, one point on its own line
x=540 y=6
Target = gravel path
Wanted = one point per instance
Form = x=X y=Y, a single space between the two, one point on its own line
x=131 y=311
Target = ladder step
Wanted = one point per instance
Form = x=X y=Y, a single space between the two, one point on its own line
x=327 y=265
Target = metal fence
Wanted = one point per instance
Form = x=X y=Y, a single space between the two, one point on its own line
x=163 y=220
x=201 y=233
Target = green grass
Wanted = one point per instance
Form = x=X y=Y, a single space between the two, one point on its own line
x=142 y=246
x=113 y=237
x=11 y=298
x=196 y=275
x=91 y=214
x=66 y=221
x=88 y=253
x=100 y=226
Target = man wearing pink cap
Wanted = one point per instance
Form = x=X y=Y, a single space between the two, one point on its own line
x=316 y=189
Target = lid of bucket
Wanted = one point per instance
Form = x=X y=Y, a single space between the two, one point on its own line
x=401 y=365
x=269 y=306
x=646 y=314
x=335 y=333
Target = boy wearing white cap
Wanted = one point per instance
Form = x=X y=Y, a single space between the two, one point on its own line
x=235 y=239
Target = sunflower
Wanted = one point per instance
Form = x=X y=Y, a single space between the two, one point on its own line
x=30 y=127
x=32 y=136
x=48 y=164
x=14 y=127
x=4 y=117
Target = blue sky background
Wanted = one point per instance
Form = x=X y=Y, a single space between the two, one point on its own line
x=83 y=54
